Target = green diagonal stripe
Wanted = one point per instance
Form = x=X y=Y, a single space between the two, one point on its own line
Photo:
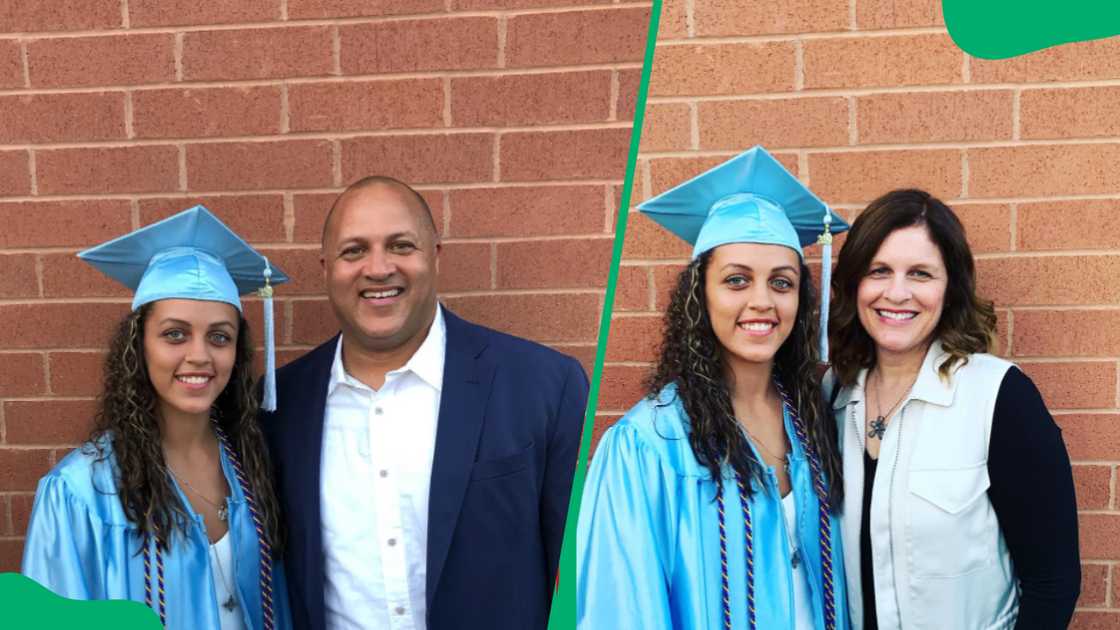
x=998 y=29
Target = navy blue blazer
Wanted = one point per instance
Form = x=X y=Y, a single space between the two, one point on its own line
x=510 y=417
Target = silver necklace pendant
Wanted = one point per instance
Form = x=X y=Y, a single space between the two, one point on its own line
x=230 y=604
x=223 y=513
x=878 y=428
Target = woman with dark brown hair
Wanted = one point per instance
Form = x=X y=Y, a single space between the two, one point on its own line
x=961 y=510
x=171 y=501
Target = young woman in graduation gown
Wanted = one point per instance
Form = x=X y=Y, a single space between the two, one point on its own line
x=170 y=502
x=711 y=503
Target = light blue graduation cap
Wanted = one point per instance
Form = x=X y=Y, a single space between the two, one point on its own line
x=750 y=198
x=192 y=255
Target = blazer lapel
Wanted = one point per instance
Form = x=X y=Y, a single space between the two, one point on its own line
x=466 y=387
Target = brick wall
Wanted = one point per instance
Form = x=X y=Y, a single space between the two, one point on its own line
x=861 y=96
x=512 y=117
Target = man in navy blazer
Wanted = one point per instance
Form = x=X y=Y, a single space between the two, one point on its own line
x=410 y=400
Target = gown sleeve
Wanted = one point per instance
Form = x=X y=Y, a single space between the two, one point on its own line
x=623 y=539
x=60 y=551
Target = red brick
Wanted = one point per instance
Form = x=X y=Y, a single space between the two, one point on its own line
x=892 y=61
x=703 y=69
x=665 y=279
x=464 y=267
x=934 y=117
x=21 y=512
x=543 y=318
x=1037 y=170
x=577 y=154
x=795 y=122
x=75 y=223
x=987 y=226
x=668 y=172
x=505 y=5
x=1070 y=112
x=1081 y=385
x=1093 y=619
x=18 y=278
x=149 y=168
x=255 y=218
x=24 y=16
x=831 y=174
x=1079 y=333
x=1083 y=224
x=311 y=211
x=602 y=423
x=101 y=60
x=632 y=289
x=11 y=64
x=11 y=551
x=645 y=239
x=628 y=83
x=576 y=263
x=453 y=43
x=620 y=387
x=55 y=325
x=584 y=353
x=374 y=105
x=206 y=112
x=254 y=317
x=421 y=159
x=62 y=117
x=313 y=322
x=65 y=275
x=531 y=99
x=1078 y=61
x=15 y=173
x=1031 y=281
x=303 y=9
x=883 y=14
x=527 y=210
x=302 y=267
x=1090 y=437
x=48 y=421
x=188 y=13
x=634 y=338
x=577 y=37
x=1094 y=586
x=733 y=17
x=667 y=127
x=259 y=53
x=1092 y=486
x=20 y=469
x=76 y=373
x=22 y=374
x=1100 y=536
x=255 y=165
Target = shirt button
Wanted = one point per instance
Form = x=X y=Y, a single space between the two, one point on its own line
x=392 y=542
x=384 y=473
x=377 y=410
x=399 y=610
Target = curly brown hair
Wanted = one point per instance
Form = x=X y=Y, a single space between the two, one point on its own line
x=691 y=356
x=967 y=323
x=126 y=424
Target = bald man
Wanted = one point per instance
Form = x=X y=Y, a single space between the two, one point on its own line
x=424 y=463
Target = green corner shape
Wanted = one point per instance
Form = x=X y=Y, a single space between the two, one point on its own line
x=26 y=604
x=998 y=29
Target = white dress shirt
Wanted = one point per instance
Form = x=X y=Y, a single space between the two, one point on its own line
x=376 y=471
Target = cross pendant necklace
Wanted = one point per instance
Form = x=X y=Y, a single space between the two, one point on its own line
x=879 y=424
x=230 y=604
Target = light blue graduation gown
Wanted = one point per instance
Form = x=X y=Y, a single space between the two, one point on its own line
x=81 y=546
x=647 y=543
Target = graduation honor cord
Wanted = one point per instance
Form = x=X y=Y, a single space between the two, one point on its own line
x=265 y=549
x=823 y=527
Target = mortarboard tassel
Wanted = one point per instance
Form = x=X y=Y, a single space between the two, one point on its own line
x=825 y=241
x=268 y=402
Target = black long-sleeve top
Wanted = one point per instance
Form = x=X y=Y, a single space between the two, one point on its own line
x=1032 y=494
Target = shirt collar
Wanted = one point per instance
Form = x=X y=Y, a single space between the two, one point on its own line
x=929 y=386
x=426 y=362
